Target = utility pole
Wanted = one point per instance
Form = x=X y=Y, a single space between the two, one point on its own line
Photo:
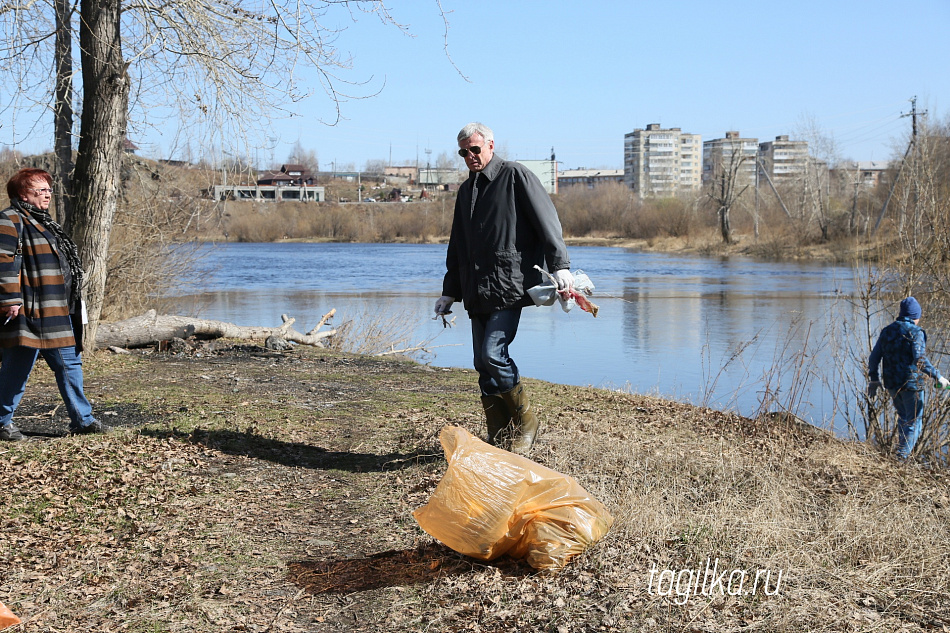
x=428 y=166
x=760 y=168
x=916 y=163
x=912 y=145
x=425 y=190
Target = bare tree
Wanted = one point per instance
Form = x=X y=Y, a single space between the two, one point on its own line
x=814 y=184
x=306 y=157
x=726 y=189
x=817 y=179
x=821 y=144
x=375 y=166
x=63 y=112
x=225 y=66
x=445 y=161
x=103 y=127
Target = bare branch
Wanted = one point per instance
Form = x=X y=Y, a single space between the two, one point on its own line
x=445 y=40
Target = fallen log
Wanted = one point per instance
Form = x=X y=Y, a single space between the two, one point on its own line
x=151 y=327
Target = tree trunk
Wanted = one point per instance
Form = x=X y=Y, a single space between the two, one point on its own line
x=724 y=226
x=63 y=110
x=853 y=220
x=101 y=137
x=150 y=328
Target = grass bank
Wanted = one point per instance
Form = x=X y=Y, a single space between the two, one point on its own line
x=248 y=490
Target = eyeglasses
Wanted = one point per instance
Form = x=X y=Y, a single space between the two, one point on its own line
x=475 y=149
x=42 y=191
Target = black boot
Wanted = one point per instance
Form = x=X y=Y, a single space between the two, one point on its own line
x=498 y=418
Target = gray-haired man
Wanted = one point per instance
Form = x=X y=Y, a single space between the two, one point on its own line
x=504 y=225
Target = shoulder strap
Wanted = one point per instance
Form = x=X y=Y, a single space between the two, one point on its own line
x=18 y=253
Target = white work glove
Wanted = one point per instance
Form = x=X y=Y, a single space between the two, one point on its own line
x=443 y=304
x=564 y=279
x=944 y=383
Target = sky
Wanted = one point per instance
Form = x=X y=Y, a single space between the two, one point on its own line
x=577 y=76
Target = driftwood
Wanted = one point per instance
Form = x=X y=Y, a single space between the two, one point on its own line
x=150 y=328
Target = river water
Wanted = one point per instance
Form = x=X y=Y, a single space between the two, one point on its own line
x=731 y=333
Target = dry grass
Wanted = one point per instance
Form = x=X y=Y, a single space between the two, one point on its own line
x=352 y=222
x=273 y=492
x=692 y=485
x=378 y=330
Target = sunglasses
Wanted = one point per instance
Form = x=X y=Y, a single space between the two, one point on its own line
x=475 y=149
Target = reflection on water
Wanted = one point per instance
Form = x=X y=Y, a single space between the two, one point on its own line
x=722 y=332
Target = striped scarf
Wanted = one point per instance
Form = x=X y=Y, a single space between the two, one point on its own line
x=64 y=243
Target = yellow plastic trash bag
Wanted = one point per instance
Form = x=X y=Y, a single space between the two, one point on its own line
x=491 y=502
x=7 y=619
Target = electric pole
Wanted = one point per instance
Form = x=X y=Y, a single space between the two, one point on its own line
x=911 y=145
x=916 y=162
x=428 y=165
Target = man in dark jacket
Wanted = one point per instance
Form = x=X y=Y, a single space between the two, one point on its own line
x=504 y=225
x=902 y=346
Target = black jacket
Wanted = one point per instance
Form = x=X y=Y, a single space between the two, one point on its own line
x=495 y=245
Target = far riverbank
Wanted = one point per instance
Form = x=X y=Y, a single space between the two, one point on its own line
x=744 y=246
x=676 y=231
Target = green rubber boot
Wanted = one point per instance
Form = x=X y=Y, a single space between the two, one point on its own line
x=498 y=418
x=524 y=422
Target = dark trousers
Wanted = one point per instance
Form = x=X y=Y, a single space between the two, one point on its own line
x=491 y=335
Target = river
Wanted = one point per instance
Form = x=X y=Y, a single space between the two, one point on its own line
x=731 y=333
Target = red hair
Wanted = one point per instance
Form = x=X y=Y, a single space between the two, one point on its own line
x=22 y=179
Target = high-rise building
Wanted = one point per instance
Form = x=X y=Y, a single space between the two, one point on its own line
x=783 y=159
x=732 y=151
x=661 y=162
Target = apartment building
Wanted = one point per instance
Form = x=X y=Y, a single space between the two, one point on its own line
x=853 y=178
x=589 y=178
x=866 y=173
x=662 y=162
x=783 y=159
x=720 y=154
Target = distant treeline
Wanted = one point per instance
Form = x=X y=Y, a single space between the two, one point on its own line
x=608 y=210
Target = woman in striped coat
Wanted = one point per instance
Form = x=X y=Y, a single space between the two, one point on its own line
x=40 y=313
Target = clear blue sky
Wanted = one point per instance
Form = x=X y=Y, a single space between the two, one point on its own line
x=577 y=76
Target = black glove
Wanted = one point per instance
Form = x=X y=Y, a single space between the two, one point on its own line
x=873 y=386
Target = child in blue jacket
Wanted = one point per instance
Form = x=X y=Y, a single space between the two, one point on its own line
x=902 y=350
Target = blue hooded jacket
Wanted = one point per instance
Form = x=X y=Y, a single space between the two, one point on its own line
x=902 y=348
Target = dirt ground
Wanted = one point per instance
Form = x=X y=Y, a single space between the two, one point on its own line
x=246 y=490
x=250 y=490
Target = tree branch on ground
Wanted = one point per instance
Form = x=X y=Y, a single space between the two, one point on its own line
x=151 y=328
